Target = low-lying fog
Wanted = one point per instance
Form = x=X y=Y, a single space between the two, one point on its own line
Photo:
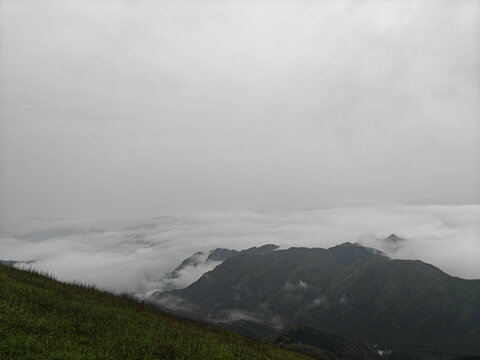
x=133 y=255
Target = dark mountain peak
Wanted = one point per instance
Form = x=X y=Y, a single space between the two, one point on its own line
x=348 y=253
x=394 y=239
x=262 y=250
x=345 y=244
x=221 y=254
x=192 y=260
x=394 y=242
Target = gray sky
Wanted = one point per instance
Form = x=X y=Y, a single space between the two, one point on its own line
x=137 y=107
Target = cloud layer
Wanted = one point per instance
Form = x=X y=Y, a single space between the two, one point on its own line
x=134 y=255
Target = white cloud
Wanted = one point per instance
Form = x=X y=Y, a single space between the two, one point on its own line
x=131 y=258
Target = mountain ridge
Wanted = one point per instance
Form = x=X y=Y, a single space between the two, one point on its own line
x=348 y=290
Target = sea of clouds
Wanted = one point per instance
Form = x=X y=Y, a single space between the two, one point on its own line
x=134 y=255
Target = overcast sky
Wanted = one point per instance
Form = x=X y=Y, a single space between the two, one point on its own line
x=138 y=107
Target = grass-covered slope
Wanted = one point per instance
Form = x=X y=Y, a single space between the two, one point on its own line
x=41 y=318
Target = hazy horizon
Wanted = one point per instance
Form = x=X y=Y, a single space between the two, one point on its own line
x=135 y=254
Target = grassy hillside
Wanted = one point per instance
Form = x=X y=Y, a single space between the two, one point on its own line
x=41 y=318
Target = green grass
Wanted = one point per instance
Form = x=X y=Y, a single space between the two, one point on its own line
x=41 y=318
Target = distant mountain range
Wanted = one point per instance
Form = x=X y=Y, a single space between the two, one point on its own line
x=16 y=263
x=296 y=296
